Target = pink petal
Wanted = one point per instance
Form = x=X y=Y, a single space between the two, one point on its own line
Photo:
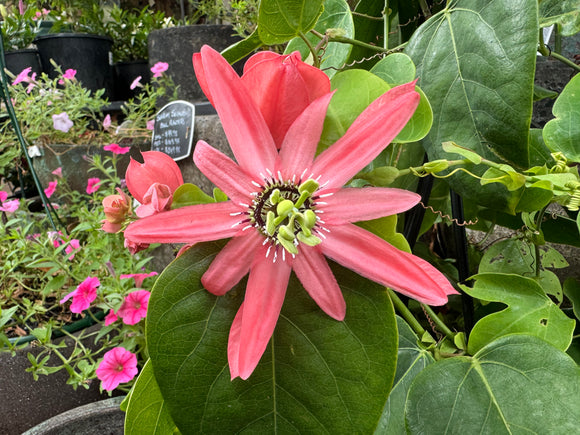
x=260 y=56
x=200 y=75
x=372 y=257
x=195 y=223
x=262 y=304
x=245 y=128
x=361 y=204
x=369 y=134
x=223 y=172
x=232 y=263
x=234 y=343
x=157 y=167
x=299 y=146
x=315 y=275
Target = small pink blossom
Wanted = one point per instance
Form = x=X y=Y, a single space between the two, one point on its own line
x=83 y=295
x=62 y=122
x=136 y=82
x=93 y=185
x=21 y=7
x=134 y=307
x=135 y=247
x=10 y=206
x=50 y=189
x=110 y=318
x=37 y=15
x=138 y=277
x=57 y=172
x=72 y=246
x=69 y=74
x=107 y=122
x=159 y=68
x=118 y=366
x=3 y=196
x=151 y=124
x=116 y=149
x=23 y=76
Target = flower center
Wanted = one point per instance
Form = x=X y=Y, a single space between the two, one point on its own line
x=284 y=214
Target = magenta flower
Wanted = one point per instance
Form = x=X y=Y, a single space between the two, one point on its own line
x=50 y=189
x=118 y=366
x=134 y=307
x=23 y=76
x=57 y=172
x=137 y=81
x=138 y=277
x=3 y=196
x=110 y=318
x=151 y=124
x=288 y=210
x=116 y=149
x=9 y=206
x=107 y=122
x=159 y=68
x=72 y=246
x=83 y=295
x=69 y=74
x=93 y=185
x=62 y=122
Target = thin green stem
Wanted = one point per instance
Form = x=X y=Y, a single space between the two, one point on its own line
x=315 y=59
x=425 y=8
x=406 y=314
x=539 y=221
x=442 y=326
x=545 y=51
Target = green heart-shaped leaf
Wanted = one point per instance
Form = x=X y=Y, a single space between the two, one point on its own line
x=312 y=359
x=515 y=385
x=562 y=12
x=529 y=311
x=281 y=20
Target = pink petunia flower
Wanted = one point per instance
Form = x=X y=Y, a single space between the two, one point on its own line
x=62 y=122
x=23 y=76
x=153 y=182
x=3 y=196
x=83 y=295
x=10 y=206
x=138 y=277
x=57 y=172
x=159 y=68
x=118 y=366
x=93 y=185
x=288 y=209
x=134 y=307
x=73 y=245
x=151 y=124
x=110 y=318
x=136 y=83
x=51 y=188
x=69 y=74
x=107 y=122
x=116 y=149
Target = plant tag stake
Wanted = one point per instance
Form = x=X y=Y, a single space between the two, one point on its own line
x=173 y=131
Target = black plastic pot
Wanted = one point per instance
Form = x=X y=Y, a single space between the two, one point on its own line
x=125 y=73
x=18 y=60
x=89 y=55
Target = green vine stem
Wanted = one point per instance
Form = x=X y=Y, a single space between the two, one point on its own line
x=545 y=51
x=406 y=314
x=442 y=326
x=315 y=59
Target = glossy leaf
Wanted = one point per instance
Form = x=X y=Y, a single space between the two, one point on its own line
x=336 y=16
x=529 y=311
x=243 y=48
x=572 y=292
x=386 y=229
x=146 y=410
x=563 y=133
x=476 y=65
x=561 y=12
x=515 y=385
x=411 y=359
x=281 y=20
x=189 y=194
x=312 y=359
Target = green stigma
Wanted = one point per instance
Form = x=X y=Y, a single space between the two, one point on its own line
x=283 y=213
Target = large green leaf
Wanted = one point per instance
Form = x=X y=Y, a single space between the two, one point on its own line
x=336 y=15
x=563 y=133
x=312 y=359
x=147 y=412
x=516 y=385
x=475 y=62
x=281 y=20
x=529 y=311
x=411 y=360
x=566 y=13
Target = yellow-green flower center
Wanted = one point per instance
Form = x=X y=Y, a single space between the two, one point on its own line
x=284 y=214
